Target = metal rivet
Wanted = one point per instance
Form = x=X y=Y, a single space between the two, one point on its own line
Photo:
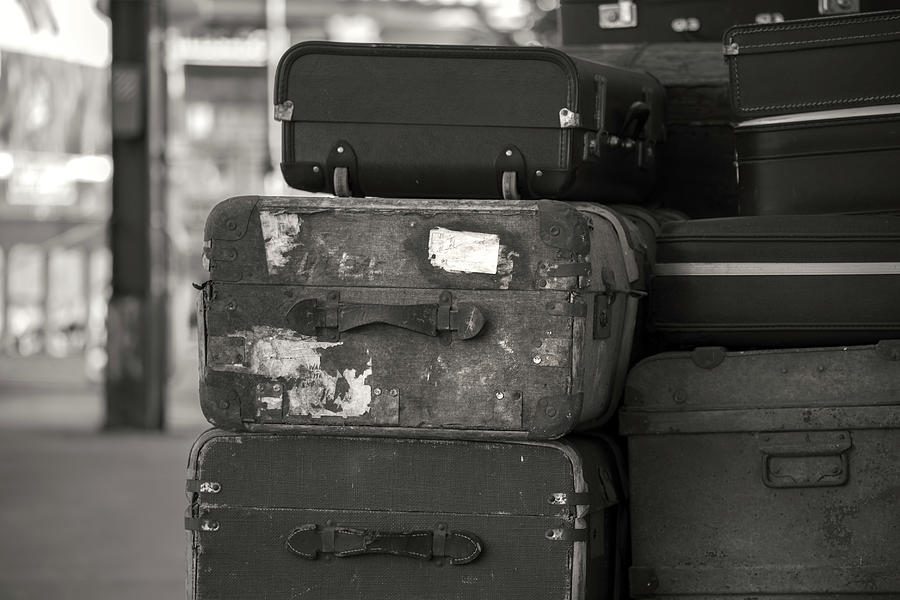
x=542 y=282
x=550 y=411
x=230 y=224
x=394 y=391
x=554 y=230
x=276 y=388
x=340 y=149
x=224 y=404
x=316 y=169
x=820 y=368
x=539 y=173
x=536 y=360
x=442 y=527
x=679 y=397
x=230 y=306
x=509 y=152
x=208 y=525
x=499 y=395
x=377 y=391
x=784 y=370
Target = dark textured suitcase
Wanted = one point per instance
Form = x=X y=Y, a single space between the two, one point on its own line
x=405 y=316
x=840 y=161
x=814 y=64
x=777 y=281
x=665 y=21
x=324 y=517
x=768 y=474
x=465 y=122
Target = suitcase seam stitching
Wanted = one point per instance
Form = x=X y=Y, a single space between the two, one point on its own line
x=818 y=40
x=836 y=23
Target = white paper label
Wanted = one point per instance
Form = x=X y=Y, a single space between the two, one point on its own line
x=463 y=251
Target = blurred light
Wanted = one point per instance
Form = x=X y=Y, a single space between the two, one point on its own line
x=353 y=28
x=7 y=164
x=547 y=5
x=94 y=169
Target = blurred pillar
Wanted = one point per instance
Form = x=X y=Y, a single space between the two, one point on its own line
x=277 y=41
x=137 y=371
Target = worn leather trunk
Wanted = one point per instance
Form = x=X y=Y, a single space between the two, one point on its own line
x=769 y=474
x=777 y=69
x=327 y=517
x=400 y=317
x=420 y=121
x=654 y=21
x=840 y=161
x=777 y=281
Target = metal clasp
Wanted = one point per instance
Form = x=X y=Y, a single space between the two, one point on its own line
x=620 y=15
x=837 y=7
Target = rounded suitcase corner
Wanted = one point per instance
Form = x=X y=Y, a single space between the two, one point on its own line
x=228 y=220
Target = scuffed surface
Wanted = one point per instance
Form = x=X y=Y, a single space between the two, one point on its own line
x=319 y=394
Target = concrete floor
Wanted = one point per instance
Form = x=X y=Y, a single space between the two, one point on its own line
x=86 y=515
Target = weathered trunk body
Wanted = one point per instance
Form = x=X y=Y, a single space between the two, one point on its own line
x=325 y=517
x=509 y=316
x=765 y=474
x=424 y=121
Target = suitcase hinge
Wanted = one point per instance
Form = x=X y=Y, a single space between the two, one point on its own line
x=566 y=534
x=195 y=486
x=569 y=499
x=194 y=524
x=566 y=309
x=580 y=269
x=284 y=111
x=569 y=119
x=618 y=15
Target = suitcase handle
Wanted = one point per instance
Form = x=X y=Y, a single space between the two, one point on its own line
x=636 y=118
x=327 y=320
x=309 y=541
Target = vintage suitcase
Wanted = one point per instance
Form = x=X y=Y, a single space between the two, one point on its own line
x=840 y=161
x=465 y=122
x=502 y=316
x=327 y=517
x=778 y=281
x=666 y=21
x=770 y=474
x=778 y=68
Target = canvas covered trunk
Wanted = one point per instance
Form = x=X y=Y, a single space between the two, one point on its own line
x=770 y=474
x=407 y=316
x=442 y=121
x=326 y=517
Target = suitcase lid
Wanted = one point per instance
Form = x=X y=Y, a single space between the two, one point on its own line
x=712 y=390
x=454 y=85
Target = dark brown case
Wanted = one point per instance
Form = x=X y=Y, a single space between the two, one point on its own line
x=777 y=281
x=400 y=317
x=814 y=64
x=765 y=474
x=425 y=121
x=327 y=517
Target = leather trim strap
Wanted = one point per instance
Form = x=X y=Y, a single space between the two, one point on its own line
x=310 y=540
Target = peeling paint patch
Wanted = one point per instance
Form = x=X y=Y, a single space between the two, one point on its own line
x=270 y=402
x=279 y=231
x=505 y=266
x=463 y=251
x=323 y=395
x=275 y=352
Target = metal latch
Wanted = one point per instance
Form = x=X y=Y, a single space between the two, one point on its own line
x=284 y=111
x=619 y=15
x=837 y=7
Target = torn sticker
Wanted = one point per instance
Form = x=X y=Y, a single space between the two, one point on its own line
x=319 y=394
x=463 y=251
x=280 y=231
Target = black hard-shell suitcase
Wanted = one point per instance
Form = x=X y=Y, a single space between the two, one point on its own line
x=427 y=121
x=765 y=474
x=327 y=517
x=397 y=317
x=777 y=281
x=814 y=64
x=841 y=161
x=666 y=21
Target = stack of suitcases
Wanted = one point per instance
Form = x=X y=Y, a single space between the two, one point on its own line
x=415 y=377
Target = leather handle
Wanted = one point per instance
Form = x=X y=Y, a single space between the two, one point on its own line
x=636 y=118
x=309 y=541
x=327 y=320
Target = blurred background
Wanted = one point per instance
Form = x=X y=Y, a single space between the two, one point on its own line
x=122 y=122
